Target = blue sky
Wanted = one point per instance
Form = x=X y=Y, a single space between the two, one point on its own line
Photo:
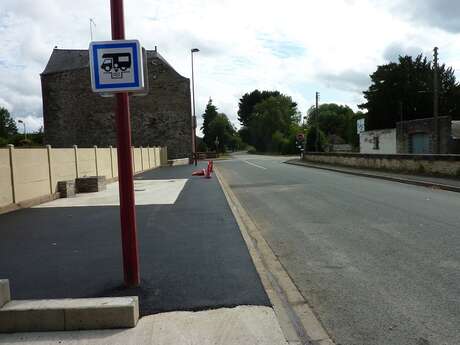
x=297 y=47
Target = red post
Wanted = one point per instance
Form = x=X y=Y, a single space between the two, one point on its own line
x=125 y=166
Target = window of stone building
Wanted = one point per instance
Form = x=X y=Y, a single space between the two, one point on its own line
x=376 y=143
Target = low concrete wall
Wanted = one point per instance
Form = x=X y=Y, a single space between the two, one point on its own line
x=30 y=176
x=445 y=165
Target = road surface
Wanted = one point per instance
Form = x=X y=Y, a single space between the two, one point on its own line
x=378 y=261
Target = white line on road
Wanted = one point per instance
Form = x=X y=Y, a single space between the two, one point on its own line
x=257 y=166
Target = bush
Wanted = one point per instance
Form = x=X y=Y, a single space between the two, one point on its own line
x=311 y=140
x=251 y=149
x=3 y=142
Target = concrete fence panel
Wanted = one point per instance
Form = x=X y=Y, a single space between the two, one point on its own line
x=151 y=157
x=104 y=164
x=30 y=173
x=86 y=162
x=114 y=162
x=145 y=158
x=157 y=157
x=6 y=190
x=62 y=166
x=137 y=160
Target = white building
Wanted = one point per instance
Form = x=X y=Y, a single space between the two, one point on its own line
x=378 y=141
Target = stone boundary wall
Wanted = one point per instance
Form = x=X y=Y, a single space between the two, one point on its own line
x=30 y=175
x=443 y=165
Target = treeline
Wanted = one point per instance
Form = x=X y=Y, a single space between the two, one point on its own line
x=404 y=90
x=9 y=132
x=270 y=122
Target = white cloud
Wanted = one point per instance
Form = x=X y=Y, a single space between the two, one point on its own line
x=297 y=47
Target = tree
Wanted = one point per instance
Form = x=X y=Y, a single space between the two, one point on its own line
x=7 y=124
x=222 y=129
x=274 y=114
x=335 y=119
x=209 y=115
x=404 y=90
x=249 y=101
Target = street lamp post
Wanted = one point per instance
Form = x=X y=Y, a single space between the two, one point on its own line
x=24 y=124
x=304 y=135
x=194 y=50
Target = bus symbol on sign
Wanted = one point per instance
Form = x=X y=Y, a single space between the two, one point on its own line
x=116 y=66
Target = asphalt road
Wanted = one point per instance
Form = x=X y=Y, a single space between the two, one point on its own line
x=378 y=261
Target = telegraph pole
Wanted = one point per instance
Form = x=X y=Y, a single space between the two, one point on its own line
x=436 y=100
x=317 y=123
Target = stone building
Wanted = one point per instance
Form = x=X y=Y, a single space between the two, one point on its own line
x=74 y=115
x=418 y=136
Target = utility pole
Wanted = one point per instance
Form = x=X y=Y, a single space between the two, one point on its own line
x=317 y=123
x=436 y=100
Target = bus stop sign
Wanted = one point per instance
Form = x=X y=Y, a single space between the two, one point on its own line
x=116 y=66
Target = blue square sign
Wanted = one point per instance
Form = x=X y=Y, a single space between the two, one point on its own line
x=116 y=66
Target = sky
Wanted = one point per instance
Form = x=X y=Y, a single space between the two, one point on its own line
x=295 y=46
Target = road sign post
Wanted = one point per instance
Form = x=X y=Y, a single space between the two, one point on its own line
x=125 y=166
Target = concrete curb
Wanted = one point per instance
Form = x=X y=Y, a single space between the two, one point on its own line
x=296 y=318
x=65 y=314
x=5 y=295
x=382 y=177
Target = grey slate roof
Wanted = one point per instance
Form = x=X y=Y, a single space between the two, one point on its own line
x=62 y=60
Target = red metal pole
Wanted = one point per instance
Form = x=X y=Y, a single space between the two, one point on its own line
x=125 y=166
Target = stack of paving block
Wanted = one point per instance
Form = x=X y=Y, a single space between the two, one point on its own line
x=90 y=184
x=66 y=189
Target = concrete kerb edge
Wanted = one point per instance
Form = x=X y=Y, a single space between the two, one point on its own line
x=295 y=316
x=48 y=315
x=381 y=177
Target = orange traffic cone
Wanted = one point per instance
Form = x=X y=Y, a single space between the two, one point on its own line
x=200 y=172
x=209 y=170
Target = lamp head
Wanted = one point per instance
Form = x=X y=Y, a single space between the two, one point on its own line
x=195 y=50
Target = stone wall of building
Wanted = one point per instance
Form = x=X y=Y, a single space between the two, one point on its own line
x=74 y=115
x=405 y=129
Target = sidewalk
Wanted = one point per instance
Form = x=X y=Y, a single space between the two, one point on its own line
x=192 y=258
x=450 y=184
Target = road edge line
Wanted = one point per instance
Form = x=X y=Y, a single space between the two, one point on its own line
x=297 y=320
x=381 y=177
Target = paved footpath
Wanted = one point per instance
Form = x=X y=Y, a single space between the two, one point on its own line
x=192 y=255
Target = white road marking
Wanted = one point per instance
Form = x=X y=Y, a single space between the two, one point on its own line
x=253 y=164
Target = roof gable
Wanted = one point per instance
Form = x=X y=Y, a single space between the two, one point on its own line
x=62 y=60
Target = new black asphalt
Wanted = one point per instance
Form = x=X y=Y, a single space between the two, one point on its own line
x=192 y=255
